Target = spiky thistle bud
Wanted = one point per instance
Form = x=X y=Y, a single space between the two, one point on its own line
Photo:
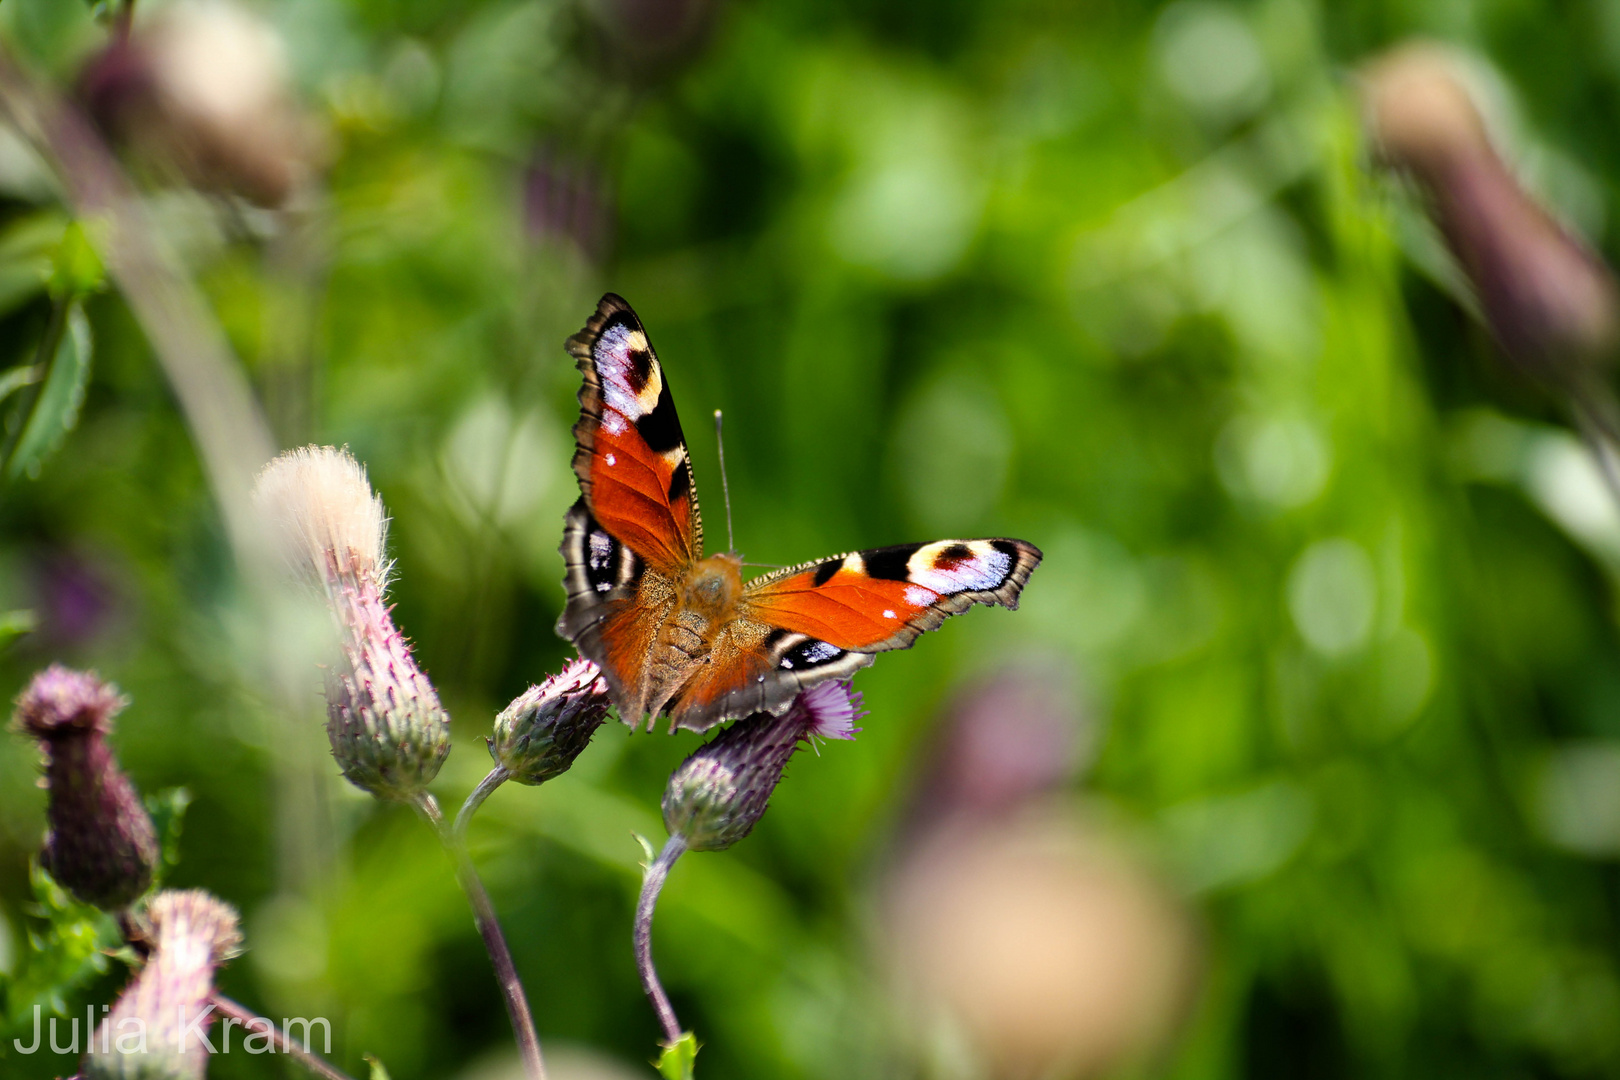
x=101 y=846
x=717 y=796
x=388 y=731
x=540 y=734
x=158 y=1028
x=1548 y=298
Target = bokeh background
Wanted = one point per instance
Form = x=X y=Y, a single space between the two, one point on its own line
x=1309 y=724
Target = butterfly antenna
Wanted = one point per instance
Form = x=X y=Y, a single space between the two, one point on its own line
x=725 y=486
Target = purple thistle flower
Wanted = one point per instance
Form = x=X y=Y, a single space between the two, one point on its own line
x=101 y=846
x=388 y=731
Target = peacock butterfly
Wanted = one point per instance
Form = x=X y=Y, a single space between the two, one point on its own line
x=678 y=632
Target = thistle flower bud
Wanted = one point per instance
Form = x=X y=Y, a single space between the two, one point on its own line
x=101 y=846
x=158 y=1028
x=388 y=731
x=1549 y=300
x=717 y=796
x=540 y=734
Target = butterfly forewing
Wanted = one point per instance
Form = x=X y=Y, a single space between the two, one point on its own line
x=630 y=455
x=871 y=601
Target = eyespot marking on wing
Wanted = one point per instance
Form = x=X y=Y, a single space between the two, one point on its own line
x=601 y=549
x=919 y=597
x=631 y=382
x=595 y=562
x=660 y=427
x=951 y=566
x=810 y=653
x=779 y=636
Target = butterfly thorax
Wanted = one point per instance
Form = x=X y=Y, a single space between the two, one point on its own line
x=712 y=586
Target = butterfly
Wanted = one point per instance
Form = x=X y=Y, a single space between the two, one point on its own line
x=675 y=631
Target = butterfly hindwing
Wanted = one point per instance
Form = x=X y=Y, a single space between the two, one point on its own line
x=757 y=667
x=616 y=608
x=634 y=470
x=596 y=563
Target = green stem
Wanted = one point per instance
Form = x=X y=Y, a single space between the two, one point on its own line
x=651 y=886
x=497 y=776
x=489 y=928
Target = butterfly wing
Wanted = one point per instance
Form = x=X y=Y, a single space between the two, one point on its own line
x=617 y=605
x=636 y=528
x=824 y=620
x=630 y=455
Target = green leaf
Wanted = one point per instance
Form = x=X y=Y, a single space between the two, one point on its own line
x=17 y=378
x=647 y=848
x=56 y=410
x=76 y=269
x=27 y=257
x=378 y=1072
x=67 y=952
x=676 y=1061
x=52 y=34
x=14 y=624
x=168 y=812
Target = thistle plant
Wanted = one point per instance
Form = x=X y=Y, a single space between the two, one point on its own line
x=157 y=1029
x=539 y=735
x=1547 y=297
x=389 y=735
x=388 y=731
x=101 y=846
x=717 y=796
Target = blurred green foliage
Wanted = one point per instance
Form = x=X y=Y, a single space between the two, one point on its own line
x=1112 y=277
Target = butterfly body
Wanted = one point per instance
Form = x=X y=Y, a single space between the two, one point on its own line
x=678 y=632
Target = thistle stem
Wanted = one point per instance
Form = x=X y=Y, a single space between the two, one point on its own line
x=497 y=776
x=240 y=1012
x=489 y=928
x=651 y=886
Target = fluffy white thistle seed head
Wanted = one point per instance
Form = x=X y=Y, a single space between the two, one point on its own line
x=389 y=733
x=319 y=508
